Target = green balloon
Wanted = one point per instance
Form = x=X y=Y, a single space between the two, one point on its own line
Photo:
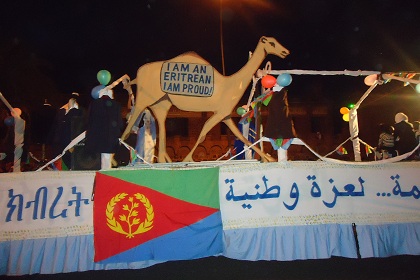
x=240 y=111
x=103 y=77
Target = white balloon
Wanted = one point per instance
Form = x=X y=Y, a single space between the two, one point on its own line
x=371 y=79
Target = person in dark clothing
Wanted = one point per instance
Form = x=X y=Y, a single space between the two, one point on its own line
x=405 y=139
x=386 y=142
x=416 y=128
x=62 y=128
x=279 y=122
x=279 y=126
x=42 y=123
x=104 y=127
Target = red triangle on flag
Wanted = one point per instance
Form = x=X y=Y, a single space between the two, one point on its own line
x=127 y=215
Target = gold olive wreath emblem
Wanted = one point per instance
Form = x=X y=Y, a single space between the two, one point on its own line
x=130 y=219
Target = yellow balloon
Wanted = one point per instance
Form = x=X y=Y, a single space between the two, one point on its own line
x=346 y=117
x=344 y=110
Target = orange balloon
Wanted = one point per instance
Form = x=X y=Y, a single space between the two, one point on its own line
x=346 y=117
x=344 y=110
x=268 y=81
x=18 y=112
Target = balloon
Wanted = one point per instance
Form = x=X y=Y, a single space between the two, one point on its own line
x=284 y=79
x=344 y=110
x=103 y=77
x=95 y=91
x=9 y=121
x=371 y=79
x=418 y=88
x=241 y=111
x=18 y=112
x=268 y=81
x=346 y=117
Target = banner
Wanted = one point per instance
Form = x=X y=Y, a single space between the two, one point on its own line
x=156 y=215
x=315 y=193
x=46 y=204
x=270 y=211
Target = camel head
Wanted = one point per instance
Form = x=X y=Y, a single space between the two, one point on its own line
x=271 y=46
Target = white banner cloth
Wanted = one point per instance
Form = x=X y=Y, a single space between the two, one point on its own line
x=313 y=193
x=45 y=204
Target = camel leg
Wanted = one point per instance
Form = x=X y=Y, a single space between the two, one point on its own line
x=138 y=108
x=264 y=157
x=160 y=110
x=208 y=125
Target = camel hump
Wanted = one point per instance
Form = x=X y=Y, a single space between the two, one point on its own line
x=191 y=57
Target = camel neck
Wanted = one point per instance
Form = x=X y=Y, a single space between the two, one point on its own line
x=249 y=69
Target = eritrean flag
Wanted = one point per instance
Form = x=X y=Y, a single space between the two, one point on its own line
x=342 y=151
x=281 y=143
x=160 y=215
x=368 y=150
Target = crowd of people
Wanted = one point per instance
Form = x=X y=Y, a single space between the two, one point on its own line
x=50 y=131
x=44 y=126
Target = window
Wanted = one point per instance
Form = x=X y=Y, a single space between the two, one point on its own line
x=316 y=124
x=177 y=127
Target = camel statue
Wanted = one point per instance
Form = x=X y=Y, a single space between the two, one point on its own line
x=190 y=83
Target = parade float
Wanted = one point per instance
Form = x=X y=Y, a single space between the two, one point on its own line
x=143 y=214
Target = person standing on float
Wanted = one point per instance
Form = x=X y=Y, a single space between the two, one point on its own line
x=405 y=139
x=146 y=136
x=279 y=122
x=19 y=138
x=66 y=118
x=105 y=123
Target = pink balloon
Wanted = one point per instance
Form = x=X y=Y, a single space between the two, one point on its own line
x=371 y=79
x=268 y=81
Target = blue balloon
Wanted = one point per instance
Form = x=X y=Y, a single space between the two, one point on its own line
x=95 y=91
x=284 y=79
x=9 y=121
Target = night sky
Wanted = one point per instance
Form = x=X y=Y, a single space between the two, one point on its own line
x=70 y=41
x=49 y=49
